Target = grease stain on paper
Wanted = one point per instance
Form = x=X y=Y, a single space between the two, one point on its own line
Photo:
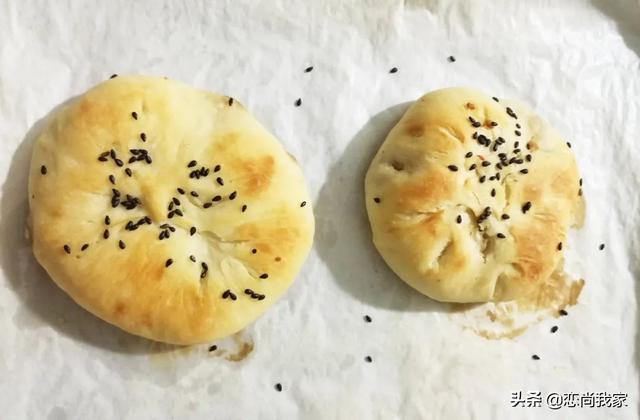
x=498 y=320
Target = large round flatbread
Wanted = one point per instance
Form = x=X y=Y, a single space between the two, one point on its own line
x=470 y=197
x=167 y=211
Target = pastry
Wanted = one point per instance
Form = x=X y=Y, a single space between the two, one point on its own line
x=470 y=197
x=167 y=211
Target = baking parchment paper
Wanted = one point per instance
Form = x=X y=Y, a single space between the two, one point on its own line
x=576 y=62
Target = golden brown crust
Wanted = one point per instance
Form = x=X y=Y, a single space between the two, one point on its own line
x=260 y=190
x=426 y=196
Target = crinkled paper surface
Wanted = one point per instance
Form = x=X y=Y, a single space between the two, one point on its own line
x=576 y=62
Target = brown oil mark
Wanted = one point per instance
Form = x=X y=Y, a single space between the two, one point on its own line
x=470 y=106
x=244 y=350
x=508 y=320
x=497 y=335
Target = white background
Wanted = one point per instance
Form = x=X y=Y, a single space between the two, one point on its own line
x=576 y=62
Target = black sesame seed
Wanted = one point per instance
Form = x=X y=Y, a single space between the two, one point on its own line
x=43 y=170
x=476 y=124
x=459 y=219
x=493 y=192
x=122 y=245
x=562 y=312
x=498 y=175
x=526 y=207
x=505 y=217
x=112 y=153
x=472 y=167
x=493 y=124
x=248 y=292
x=194 y=194
x=304 y=203
x=192 y=164
x=206 y=205
x=518 y=161
x=511 y=113
x=581 y=182
x=474 y=135
x=569 y=144
x=559 y=247
x=143 y=137
x=453 y=168
x=179 y=212
x=128 y=172
x=368 y=359
x=253 y=251
x=230 y=101
x=192 y=258
x=147 y=220
x=168 y=262
x=393 y=70
x=482 y=179
x=113 y=76
x=107 y=220
x=264 y=276
x=518 y=125
x=134 y=115
x=261 y=297
x=535 y=357
x=102 y=159
x=105 y=234
x=580 y=192
x=554 y=329
x=244 y=208
x=528 y=158
x=308 y=69
x=67 y=249
x=175 y=201
x=225 y=294
x=220 y=181
x=451 y=59
x=501 y=235
x=601 y=247
x=298 y=102
x=516 y=151
x=217 y=168
x=468 y=155
x=216 y=198
x=112 y=179
x=278 y=387
x=524 y=171
x=367 y=318
x=213 y=348
x=376 y=199
x=119 y=162
x=233 y=296
x=491 y=178
x=233 y=195
x=517 y=133
x=495 y=99
x=486 y=163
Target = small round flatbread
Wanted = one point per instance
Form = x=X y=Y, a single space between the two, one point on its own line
x=470 y=197
x=167 y=211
